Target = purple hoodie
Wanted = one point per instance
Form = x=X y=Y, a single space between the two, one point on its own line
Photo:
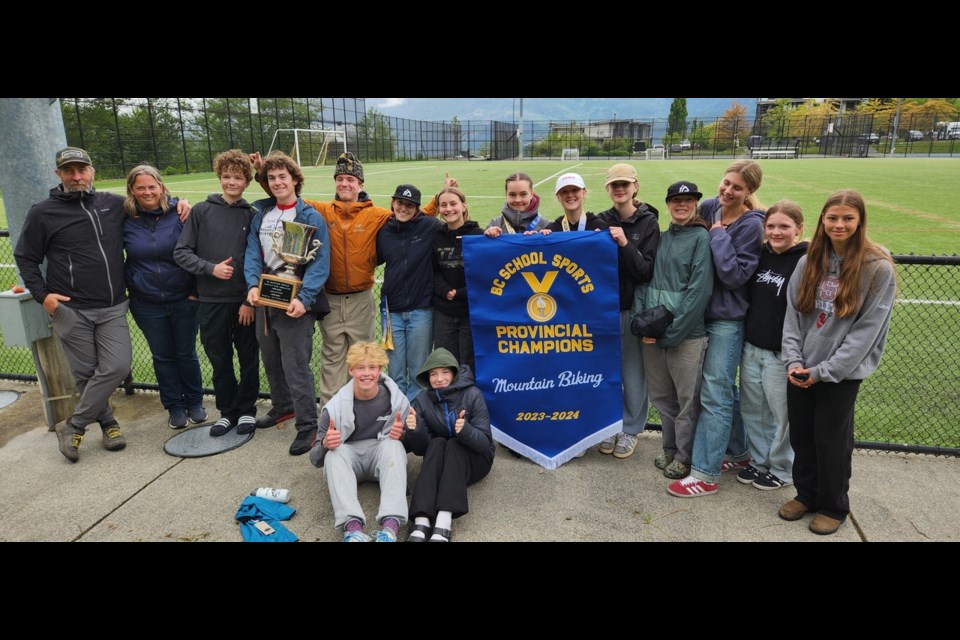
x=736 y=254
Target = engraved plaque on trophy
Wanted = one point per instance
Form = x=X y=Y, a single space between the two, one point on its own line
x=294 y=245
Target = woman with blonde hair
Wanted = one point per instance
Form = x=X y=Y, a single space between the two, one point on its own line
x=735 y=217
x=163 y=297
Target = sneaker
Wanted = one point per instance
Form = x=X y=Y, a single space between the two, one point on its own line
x=302 y=443
x=69 y=439
x=245 y=425
x=606 y=447
x=178 y=419
x=626 y=445
x=691 y=487
x=662 y=461
x=197 y=414
x=274 y=417
x=112 y=438
x=220 y=427
x=748 y=475
x=676 y=470
x=384 y=535
x=769 y=482
x=734 y=465
x=356 y=536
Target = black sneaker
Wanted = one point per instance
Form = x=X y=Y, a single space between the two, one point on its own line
x=220 y=427
x=749 y=474
x=69 y=439
x=197 y=414
x=302 y=443
x=769 y=482
x=274 y=417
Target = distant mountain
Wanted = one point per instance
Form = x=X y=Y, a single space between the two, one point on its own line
x=507 y=109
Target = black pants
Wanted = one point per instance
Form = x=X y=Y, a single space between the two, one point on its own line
x=220 y=332
x=821 y=434
x=454 y=335
x=448 y=469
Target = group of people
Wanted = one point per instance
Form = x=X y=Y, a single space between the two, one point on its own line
x=727 y=285
x=734 y=288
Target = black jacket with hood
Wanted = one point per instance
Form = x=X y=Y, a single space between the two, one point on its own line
x=438 y=409
x=635 y=261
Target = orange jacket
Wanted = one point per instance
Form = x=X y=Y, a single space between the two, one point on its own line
x=353 y=228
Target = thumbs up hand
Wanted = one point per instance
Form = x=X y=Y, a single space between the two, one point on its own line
x=458 y=425
x=331 y=440
x=223 y=270
x=396 y=431
x=412 y=420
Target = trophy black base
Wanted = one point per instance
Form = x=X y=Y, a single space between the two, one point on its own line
x=275 y=291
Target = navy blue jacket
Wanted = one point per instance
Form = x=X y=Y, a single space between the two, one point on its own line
x=151 y=273
x=407 y=248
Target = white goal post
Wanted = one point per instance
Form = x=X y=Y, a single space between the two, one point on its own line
x=570 y=154
x=313 y=144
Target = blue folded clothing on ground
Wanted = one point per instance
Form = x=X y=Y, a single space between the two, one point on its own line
x=253 y=510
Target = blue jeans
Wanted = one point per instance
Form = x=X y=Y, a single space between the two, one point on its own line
x=763 y=407
x=412 y=342
x=719 y=427
x=171 y=333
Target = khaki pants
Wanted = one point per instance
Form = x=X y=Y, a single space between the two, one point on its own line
x=351 y=320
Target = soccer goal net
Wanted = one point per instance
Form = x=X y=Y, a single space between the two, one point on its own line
x=570 y=154
x=312 y=146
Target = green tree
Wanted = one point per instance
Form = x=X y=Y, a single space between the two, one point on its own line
x=677 y=120
x=375 y=138
x=455 y=134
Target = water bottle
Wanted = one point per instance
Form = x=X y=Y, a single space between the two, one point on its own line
x=276 y=495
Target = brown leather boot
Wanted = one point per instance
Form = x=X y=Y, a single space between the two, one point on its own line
x=824 y=525
x=792 y=510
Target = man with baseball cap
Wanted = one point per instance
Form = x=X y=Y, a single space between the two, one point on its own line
x=405 y=245
x=79 y=232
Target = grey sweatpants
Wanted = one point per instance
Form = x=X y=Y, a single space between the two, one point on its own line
x=673 y=381
x=286 y=345
x=365 y=460
x=97 y=345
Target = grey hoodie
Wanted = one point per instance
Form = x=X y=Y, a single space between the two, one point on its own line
x=736 y=254
x=833 y=348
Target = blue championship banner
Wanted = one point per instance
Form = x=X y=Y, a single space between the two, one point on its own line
x=545 y=316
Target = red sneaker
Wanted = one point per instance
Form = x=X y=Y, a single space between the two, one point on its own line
x=691 y=487
x=734 y=465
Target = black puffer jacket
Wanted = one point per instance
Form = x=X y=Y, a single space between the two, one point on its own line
x=438 y=409
x=635 y=261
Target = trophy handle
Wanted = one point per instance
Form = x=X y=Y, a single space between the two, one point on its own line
x=277 y=247
x=313 y=252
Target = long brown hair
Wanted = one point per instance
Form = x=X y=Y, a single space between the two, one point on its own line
x=130 y=204
x=859 y=249
x=752 y=174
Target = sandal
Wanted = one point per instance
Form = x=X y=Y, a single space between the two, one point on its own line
x=446 y=533
x=422 y=528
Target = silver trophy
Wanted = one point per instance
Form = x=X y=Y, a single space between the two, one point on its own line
x=294 y=245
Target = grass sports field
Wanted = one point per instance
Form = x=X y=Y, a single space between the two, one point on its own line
x=914 y=398
x=912 y=203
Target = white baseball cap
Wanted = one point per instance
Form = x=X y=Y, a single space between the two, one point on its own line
x=568 y=180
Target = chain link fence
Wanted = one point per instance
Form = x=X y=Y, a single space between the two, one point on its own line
x=183 y=135
x=912 y=403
